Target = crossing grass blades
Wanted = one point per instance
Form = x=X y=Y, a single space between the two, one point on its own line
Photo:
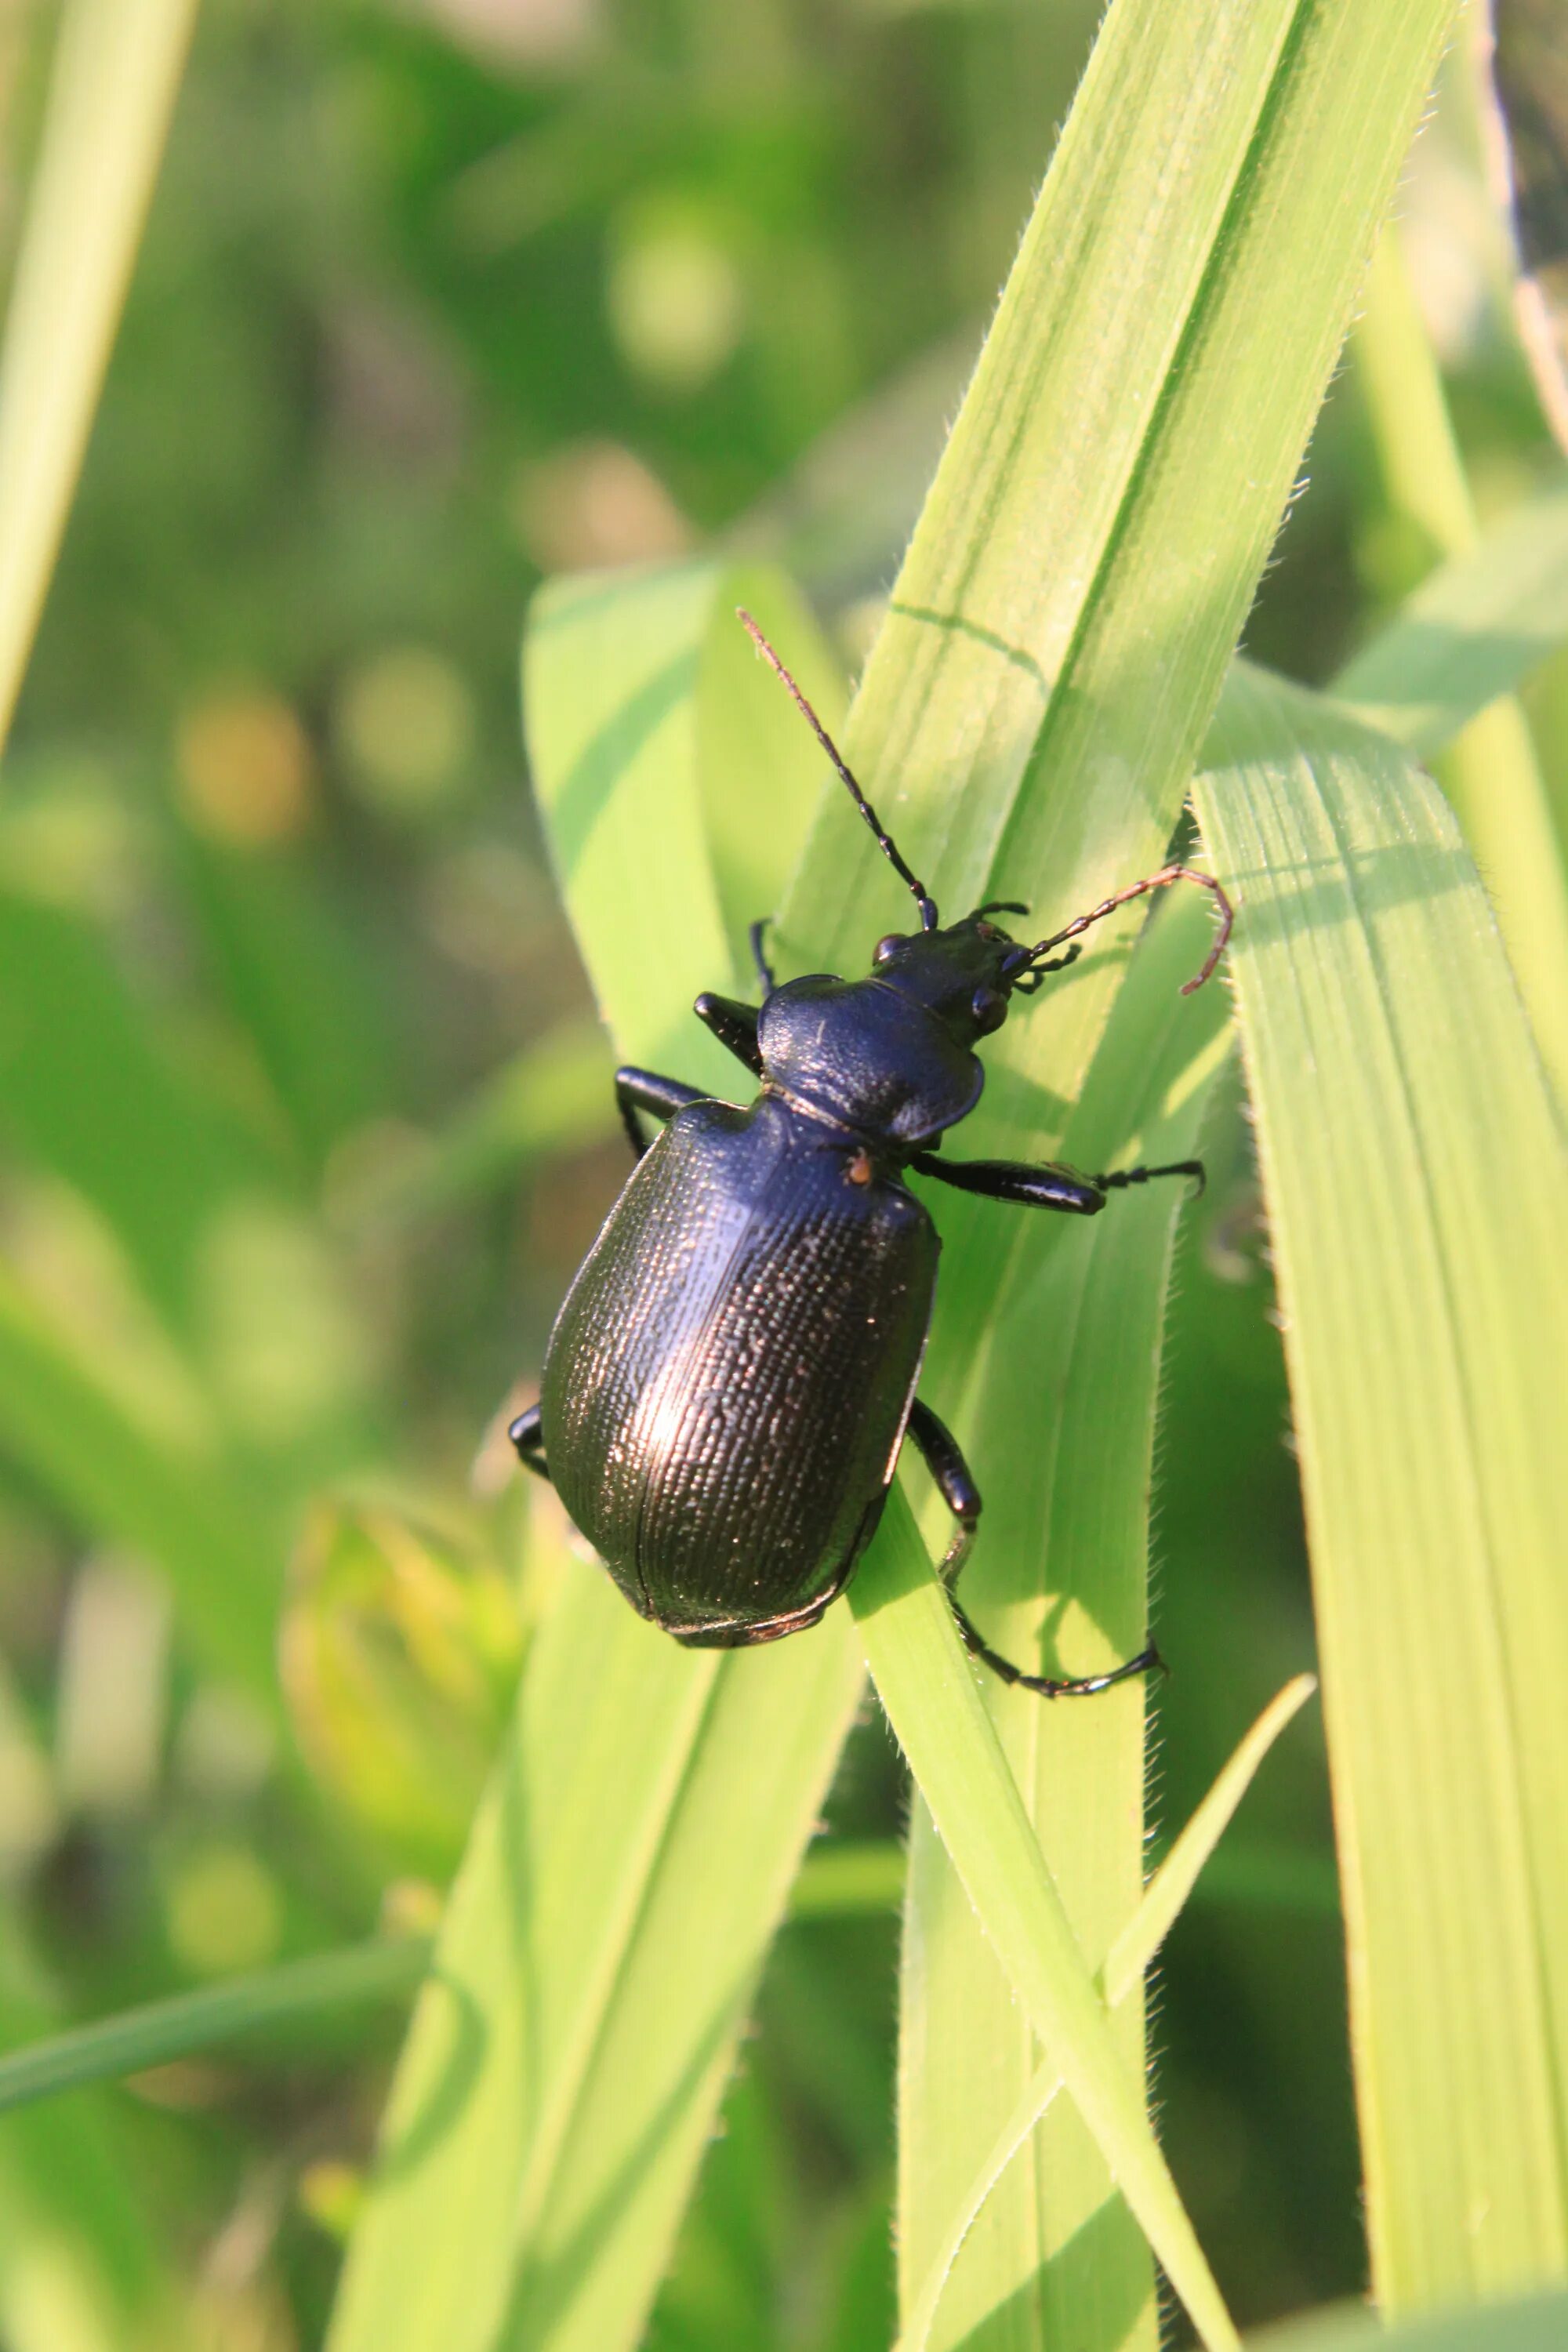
x=731 y=1378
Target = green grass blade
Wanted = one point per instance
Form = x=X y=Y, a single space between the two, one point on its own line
x=117 y=68
x=160 y=2031
x=1125 y=1969
x=850 y=1877
x=568 y=2054
x=1414 y=1177
x=930 y=1689
x=81 y=2268
x=1066 y=1518
x=1473 y=631
x=1173 y=1883
x=637 y=1845
x=1489 y=771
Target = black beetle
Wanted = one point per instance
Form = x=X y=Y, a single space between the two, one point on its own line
x=731 y=1378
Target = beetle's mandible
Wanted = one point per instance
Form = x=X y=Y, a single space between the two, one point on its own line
x=733 y=1374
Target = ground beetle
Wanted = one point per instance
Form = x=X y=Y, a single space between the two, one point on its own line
x=731 y=1378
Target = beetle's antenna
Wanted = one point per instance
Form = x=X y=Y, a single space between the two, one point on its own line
x=885 y=842
x=1166 y=875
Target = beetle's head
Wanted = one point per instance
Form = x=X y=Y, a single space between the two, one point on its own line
x=964 y=972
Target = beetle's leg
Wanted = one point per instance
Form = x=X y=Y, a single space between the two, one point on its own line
x=764 y=970
x=954 y=1479
x=528 y=1436
x=1121 y=1176
x=1042 y=1187
x=955 y=1483
x=646 y=1090
x=1045 y=1186
x=735 y=1026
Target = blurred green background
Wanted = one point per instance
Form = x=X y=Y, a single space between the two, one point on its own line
x=306 y=1121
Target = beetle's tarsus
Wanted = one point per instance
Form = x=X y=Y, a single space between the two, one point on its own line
x=955 y=1482
x=1119 y=1176
x=1148 y=1661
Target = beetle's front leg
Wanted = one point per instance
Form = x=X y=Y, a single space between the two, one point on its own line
x=735 y=1026
x=1045 y=1186
x=660 y=1097
x=955 y=1483
x=527 y=1434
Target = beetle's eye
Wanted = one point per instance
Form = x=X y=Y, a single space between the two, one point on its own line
x=989 y=1009
x=886 y=947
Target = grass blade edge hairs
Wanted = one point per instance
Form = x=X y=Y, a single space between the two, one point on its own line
x=1391 y=1077
x=928 y=1686
x=1129 y=1956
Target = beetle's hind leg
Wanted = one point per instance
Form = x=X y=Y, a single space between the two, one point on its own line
x=955 y=1483
x=527 y=1434
x=660 y=1097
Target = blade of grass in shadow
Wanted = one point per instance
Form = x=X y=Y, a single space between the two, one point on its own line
x=81 y=2269
x=178 y=1507
x=1489 y=771
x=554 y=1096
x=1122 y=1973
x=160 y=2031
x=1413 y=1173
x=1473 y=631
x=116 y=69
x=635 y=1851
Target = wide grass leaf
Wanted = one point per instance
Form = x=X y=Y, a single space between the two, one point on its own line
x=1415 y=1184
